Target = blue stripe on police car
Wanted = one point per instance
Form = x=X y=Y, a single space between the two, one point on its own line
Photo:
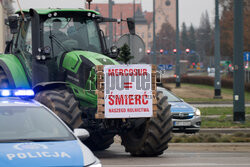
x=63 y=153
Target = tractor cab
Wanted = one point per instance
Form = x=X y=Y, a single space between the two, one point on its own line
x=42 y=39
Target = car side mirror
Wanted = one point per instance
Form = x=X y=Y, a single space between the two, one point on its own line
x=12 y=22
x=82 y=134
x=131 y=25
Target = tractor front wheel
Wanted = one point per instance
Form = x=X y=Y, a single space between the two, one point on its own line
x=4 y=82
x=152 y=137
x=63 y=104
x=99 y=141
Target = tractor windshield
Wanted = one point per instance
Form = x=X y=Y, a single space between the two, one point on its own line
x=63 y=34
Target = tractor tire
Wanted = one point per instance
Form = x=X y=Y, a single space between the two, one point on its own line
x=98 y=141
x=4 y=82
x=63 y=104
x=152 y=137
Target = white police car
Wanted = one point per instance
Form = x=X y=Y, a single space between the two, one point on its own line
x=32 y=136
x=186 y=118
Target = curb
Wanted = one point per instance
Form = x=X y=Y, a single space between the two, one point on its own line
x=210 y=147
x=211 y=144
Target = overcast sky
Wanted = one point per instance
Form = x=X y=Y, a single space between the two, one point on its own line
x=190 y=10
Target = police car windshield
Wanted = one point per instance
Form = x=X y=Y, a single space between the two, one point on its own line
x=22 y=123
x=171 y=97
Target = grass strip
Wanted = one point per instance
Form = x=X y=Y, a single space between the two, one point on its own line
x=223 y=122
x=211 y=138
x=219 y=110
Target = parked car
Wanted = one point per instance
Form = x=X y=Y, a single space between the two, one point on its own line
x=31 y=135
x=186 y=118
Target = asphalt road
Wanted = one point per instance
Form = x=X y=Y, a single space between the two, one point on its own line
x=182 y=155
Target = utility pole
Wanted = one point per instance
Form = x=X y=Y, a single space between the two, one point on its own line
x=177 y=68
x=110 y=24
x=217 y=80
x=154 y=40
x=134 y=9
x=238 y=98
x=121 y=24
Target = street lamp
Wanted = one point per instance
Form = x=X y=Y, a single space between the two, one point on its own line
x=238 y=64
x=167 y=3
x=111 y=3
x=217 y=80
x=177 y=69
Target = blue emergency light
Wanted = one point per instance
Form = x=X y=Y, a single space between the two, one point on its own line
x=16 y=93
x=191 y=114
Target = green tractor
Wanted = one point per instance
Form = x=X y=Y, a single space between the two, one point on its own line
x=55 y=52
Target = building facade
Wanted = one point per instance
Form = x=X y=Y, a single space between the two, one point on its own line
x=5 y=10
x=165 y=11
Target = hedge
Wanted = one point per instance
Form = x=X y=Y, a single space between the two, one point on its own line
x=205 y=80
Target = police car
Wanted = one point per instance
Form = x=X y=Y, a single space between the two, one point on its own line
x=31 y=135
x=186 y=118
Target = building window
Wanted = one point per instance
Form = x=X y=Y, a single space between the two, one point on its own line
x=142 y=35
x=149 y=35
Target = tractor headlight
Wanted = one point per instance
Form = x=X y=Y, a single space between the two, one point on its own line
x=197 y=112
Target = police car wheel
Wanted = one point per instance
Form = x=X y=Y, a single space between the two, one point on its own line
x=63 y=104
x=152 y=137
x=4 y=82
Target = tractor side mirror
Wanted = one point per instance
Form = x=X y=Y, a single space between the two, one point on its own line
x=131 y=25
x=13 y=24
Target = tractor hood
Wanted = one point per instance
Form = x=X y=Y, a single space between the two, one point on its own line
x=72 y=60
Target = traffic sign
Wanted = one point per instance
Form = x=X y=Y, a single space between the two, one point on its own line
x=169 y=67
x=161 y=67
x=165 y=67
x=246 y=56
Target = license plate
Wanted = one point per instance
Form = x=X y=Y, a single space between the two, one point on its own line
x=181 y=123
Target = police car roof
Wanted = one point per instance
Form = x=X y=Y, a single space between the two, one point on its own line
x=16 y=102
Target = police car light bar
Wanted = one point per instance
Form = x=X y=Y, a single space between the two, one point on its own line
x=16 y=93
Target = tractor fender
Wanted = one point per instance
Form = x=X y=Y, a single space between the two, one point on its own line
x=14 y=70
x=49 y=86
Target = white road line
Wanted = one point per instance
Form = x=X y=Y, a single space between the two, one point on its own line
x=184 y=164
x=199 y=153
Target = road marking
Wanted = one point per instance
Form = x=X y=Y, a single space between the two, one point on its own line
x=183 y=164
x=199 y=153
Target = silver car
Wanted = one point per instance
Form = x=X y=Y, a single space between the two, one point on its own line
x=186 y=118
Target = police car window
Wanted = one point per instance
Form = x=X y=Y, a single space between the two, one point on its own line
x=31 y=123
x=171 y=97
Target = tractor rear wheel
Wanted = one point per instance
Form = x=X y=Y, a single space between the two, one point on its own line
x=4 y=82
x=152 y=137
x=63 y=104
